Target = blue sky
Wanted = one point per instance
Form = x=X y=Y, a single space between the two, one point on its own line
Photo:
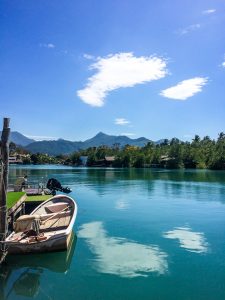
x=70 y=68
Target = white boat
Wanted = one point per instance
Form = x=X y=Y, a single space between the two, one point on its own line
x=48 y=228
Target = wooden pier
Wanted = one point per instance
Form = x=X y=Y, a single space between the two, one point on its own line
x=4 y=161
x=16 y=210
x=23 y=205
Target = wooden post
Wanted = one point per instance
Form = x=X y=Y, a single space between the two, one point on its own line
x=4 y=183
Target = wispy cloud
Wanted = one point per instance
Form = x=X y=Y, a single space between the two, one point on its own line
x=121 y=121
x=42 y=138
x=209 y=11
x=223 y=63
x=188 y=29
x=49 y=45
x=185 y=89
x=119 y=71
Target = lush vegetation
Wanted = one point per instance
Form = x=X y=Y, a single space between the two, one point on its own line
x=27 y=158
x=173 y=154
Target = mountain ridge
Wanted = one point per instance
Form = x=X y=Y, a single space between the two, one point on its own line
x=61 y=146
x=19 y=139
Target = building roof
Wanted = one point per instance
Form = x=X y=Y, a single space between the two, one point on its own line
x=109 y=158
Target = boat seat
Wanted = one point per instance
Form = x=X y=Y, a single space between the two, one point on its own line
x=43 y=217
x=52 y=224
x=27 y=222
x=28 y=217
x=56 y=207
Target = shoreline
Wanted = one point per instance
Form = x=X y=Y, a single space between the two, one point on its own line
x=111 y=167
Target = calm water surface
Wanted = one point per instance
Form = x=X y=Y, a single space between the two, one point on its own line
x=139 y=234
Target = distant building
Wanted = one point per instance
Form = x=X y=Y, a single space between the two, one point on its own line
x=165 y=158
x=15 y=160
x=12 y=159
x=109 y=160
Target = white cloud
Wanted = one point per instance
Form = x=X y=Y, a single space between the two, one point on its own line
x=118 y=71
x=121 y=121
x=209 y=11
x=188 y=29
x=223 y=63
x=185 y=89
x=49 y=45
x=190 y=240
x=120 y=256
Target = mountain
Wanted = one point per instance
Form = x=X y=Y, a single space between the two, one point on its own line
x=19 y=138
x=66 y=147
x=54 y=147
x=110 y=140
x=160 y=141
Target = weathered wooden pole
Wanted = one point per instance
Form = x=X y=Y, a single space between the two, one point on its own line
x=4 y=184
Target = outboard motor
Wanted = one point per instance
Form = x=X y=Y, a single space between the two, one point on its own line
x=54 y=185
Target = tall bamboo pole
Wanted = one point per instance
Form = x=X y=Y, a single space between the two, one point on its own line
x=4 y=181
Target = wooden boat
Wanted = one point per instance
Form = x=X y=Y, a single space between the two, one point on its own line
x=57 y=262
x=48 y=228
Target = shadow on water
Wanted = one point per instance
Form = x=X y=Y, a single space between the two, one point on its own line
x=103 y=181
x=175 y=182
x=20 y=275
x=103 y=175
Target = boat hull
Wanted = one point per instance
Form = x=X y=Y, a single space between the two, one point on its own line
x=56 y=243
x=50 y=239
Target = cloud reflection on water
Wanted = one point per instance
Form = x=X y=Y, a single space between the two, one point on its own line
x=122 y=204
x=190 y=240
x=121 y=257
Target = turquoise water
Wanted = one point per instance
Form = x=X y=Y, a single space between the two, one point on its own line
x=140 y=234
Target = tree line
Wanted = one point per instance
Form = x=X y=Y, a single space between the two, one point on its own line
x=174 y=154
x=205 y=153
